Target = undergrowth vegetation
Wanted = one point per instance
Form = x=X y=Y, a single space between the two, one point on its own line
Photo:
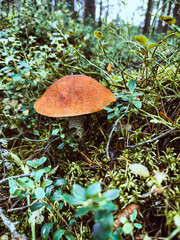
x=59 y=186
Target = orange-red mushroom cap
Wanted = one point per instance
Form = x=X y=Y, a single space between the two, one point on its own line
x=73 y=95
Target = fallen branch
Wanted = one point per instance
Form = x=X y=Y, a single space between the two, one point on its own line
x=151 y=140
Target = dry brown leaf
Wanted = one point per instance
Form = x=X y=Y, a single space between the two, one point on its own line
x=125 y=213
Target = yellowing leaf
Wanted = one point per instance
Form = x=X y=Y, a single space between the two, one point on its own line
x=139 y=169
x=98 y=34
x=140 y=39
x=109 y=68
x=167 y=19
x=152 y=45
x=69 y=32
x=177 y=34
x=142 y=52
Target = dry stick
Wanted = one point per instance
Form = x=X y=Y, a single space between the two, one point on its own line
x=6 y=179
x=11 y=226
x=153 y=139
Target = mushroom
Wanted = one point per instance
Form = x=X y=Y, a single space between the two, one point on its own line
x=73 y=96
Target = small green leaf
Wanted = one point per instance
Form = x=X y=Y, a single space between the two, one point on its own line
x=45 y=230
x=38 y=174
x=41 y=161
x=25 y=182
x=93 y=189
x=133 y=216
x=39 y=192
x=111 y=194
x=46 y=183
x=69 y=236
x=137 y=104
x=16 y=77
x=31 y=164
x=12 y=185
x=131 y=85
x=81 y=211
x=128 y=228
x=55 y=131
x=60 y=182
x=58 y=234
x=37 y=206
x=79 y=192
x=138 y=225
x=60 y=146
x=57 y=195
x=36 y=132
x=72 y=200
x=60 y=206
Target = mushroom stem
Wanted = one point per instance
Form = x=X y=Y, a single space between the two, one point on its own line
x=77 y=123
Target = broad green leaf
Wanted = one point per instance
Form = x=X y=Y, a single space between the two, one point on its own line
x=139 y=169
x=79 y=192
x=81 y=211
x=60 y=182
x=111 y=194
x=58 y=234
x=128 y=228
x=72 y=200
x=37 y=206
x=46 y=183
x=141 y=39
x=25 y=182
x=93 y=189
x=57 y=195
x=137 y=104
x=69 y=236
x=38 y=174
x=31 y=164
x=39 y=192
x=152 y=45
x=12 y=185
x=45 y=230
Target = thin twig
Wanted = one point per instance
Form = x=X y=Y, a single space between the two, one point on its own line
x=19 y=208
x=22 y=175
x=151 y=140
